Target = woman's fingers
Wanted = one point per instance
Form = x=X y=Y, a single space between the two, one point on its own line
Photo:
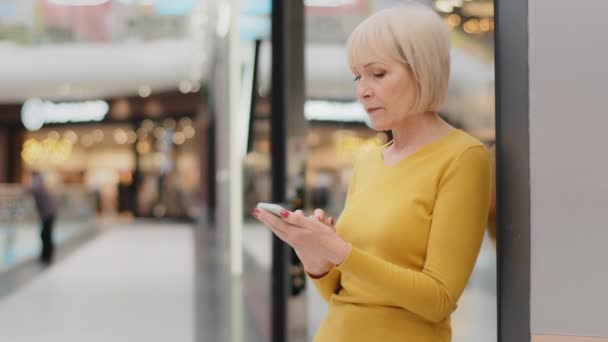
x=322 y=217
x=308 y=223
x=287 y=228
x=319 y=214
x=278 y=226
x=288 y=232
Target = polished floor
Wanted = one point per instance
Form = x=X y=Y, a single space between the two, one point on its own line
x=20 y=242
x=151 y=281
x=131 y=284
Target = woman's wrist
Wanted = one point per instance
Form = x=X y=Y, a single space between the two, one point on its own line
x=338 y=250
x=318 y=273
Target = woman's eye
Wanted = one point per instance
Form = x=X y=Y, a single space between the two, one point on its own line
x=357 y=78
x=379 y=75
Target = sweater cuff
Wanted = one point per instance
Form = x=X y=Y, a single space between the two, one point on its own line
x=351 y=259
x=313 y=277
x=327 y=284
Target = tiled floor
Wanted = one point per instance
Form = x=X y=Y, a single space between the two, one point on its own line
x=133 y=284
x=21 y=242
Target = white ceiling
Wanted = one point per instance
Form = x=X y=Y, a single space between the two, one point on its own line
x=124 y=45
x=95 y=70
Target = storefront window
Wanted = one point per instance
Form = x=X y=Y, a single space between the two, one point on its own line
x=147 y=169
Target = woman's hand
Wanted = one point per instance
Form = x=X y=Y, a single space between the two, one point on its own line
x=314 y=240
x=315 y=265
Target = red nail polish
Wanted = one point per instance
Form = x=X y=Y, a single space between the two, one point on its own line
x=285 y=213
x=331 y=221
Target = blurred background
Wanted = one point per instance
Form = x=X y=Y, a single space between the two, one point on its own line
x=151 y=122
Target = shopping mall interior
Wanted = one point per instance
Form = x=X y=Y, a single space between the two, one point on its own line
x=153 y=125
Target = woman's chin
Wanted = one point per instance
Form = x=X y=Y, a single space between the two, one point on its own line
x=378 y=126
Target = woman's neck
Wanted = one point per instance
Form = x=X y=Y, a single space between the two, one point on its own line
x=418 y=130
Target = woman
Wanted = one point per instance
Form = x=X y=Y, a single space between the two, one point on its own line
x=416 y=209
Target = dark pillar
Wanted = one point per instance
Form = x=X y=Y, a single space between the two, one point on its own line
x=287 y=126
x=3 y=155
x=513 y=170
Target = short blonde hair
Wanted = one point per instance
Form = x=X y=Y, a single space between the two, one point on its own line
x=413 y=34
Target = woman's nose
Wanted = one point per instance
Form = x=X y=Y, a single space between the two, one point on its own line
x=363 y=91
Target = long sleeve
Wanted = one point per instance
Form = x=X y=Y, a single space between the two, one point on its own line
x=329 y=283
x=458 y=222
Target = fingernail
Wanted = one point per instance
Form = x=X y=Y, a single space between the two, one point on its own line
x=331 y=221
x=319 y=219
x=285 y=213
x=255 y=212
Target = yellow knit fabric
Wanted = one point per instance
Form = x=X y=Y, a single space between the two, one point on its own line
x=416 y=228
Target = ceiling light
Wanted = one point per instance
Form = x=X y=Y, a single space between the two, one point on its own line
x=189 y=132
x=185 y=87
x=169 y=123
x=179 y=138
x=120 y=136
x=147 y=124
x=87 y=140
x=97 y=135
x=71 y=136
x=131 y=137
x=185 y=122
x=444 y=6
x=145 y=91
x=53 y=135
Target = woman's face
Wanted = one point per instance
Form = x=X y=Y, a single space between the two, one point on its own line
x=387 y=90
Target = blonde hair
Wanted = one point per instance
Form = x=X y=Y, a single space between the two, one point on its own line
x=412 y=34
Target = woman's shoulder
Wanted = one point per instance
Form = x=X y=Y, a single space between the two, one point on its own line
x=466 y=151
x=467 y=139
x=463 y=148
x=465 y=142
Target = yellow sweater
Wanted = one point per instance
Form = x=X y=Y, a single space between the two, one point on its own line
x=416 y=228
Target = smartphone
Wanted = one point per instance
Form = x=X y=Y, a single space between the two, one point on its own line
x=271 y=207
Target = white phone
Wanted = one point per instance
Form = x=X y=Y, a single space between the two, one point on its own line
x=271 y=207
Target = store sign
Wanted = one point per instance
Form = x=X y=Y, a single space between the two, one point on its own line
x=35 y=113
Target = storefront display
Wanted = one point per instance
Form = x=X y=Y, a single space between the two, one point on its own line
x=146 y=168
